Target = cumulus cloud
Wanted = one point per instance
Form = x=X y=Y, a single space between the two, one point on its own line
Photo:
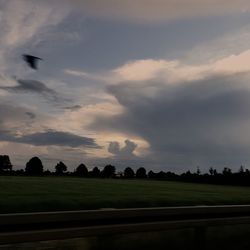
x=125 y=152
x=159 y=10
x=200 y=119
x=172 y=72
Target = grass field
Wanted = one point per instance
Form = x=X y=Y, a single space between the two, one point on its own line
x=26 y=194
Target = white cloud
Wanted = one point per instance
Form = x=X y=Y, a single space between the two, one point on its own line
x=142 y=70
x=177 y=71
x=23 y=19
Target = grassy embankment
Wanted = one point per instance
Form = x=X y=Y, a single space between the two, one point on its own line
x=26 y=194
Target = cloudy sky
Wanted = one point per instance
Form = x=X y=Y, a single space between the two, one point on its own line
x=163 y=84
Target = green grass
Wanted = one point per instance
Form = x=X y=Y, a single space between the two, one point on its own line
x=26 y=194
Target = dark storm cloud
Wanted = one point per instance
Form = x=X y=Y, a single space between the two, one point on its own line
x=37 y=87
x=58 y=138
x=198 y=122
x=125 y=152
x=50 y=138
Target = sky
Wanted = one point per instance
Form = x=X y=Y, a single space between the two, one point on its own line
x=160 y=84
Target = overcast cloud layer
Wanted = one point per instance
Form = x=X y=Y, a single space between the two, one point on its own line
x=160 y=84
x=160 y=10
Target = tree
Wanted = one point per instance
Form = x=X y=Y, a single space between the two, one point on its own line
x=5 y=164
x=47 y=172
x=60 y=168
x=151 y=174
x=211 y=171
x=161 y=175
x=141 y=173
x=129 y=173
x=215 y=172
x=82 y=170
x=108 y=171
x=95 y=172
x=34 y=166
x=227 y=171
x=241 y=170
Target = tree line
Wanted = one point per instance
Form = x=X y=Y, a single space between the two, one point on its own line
x=34 y=167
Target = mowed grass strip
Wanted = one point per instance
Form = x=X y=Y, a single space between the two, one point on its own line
x=32 y=194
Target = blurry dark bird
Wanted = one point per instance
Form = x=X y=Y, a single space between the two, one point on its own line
x=32 y=61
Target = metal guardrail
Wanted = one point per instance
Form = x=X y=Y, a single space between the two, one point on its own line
x=26 y=227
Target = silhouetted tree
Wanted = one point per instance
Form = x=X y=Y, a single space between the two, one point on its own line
x=198 y=171
x=141 y=173
x=241 y=170
x=151 y=174
x=129 y=173
x=5 y=164
x=227 y=171
x=108 y=171
x=95 y=172
x=119 y=174
x=82 y=170
x=170 y=175
x=47 y=172
x=161 y=175
x=34 y=166
x=212 y=171
x=19 y=172
x=60 y=168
